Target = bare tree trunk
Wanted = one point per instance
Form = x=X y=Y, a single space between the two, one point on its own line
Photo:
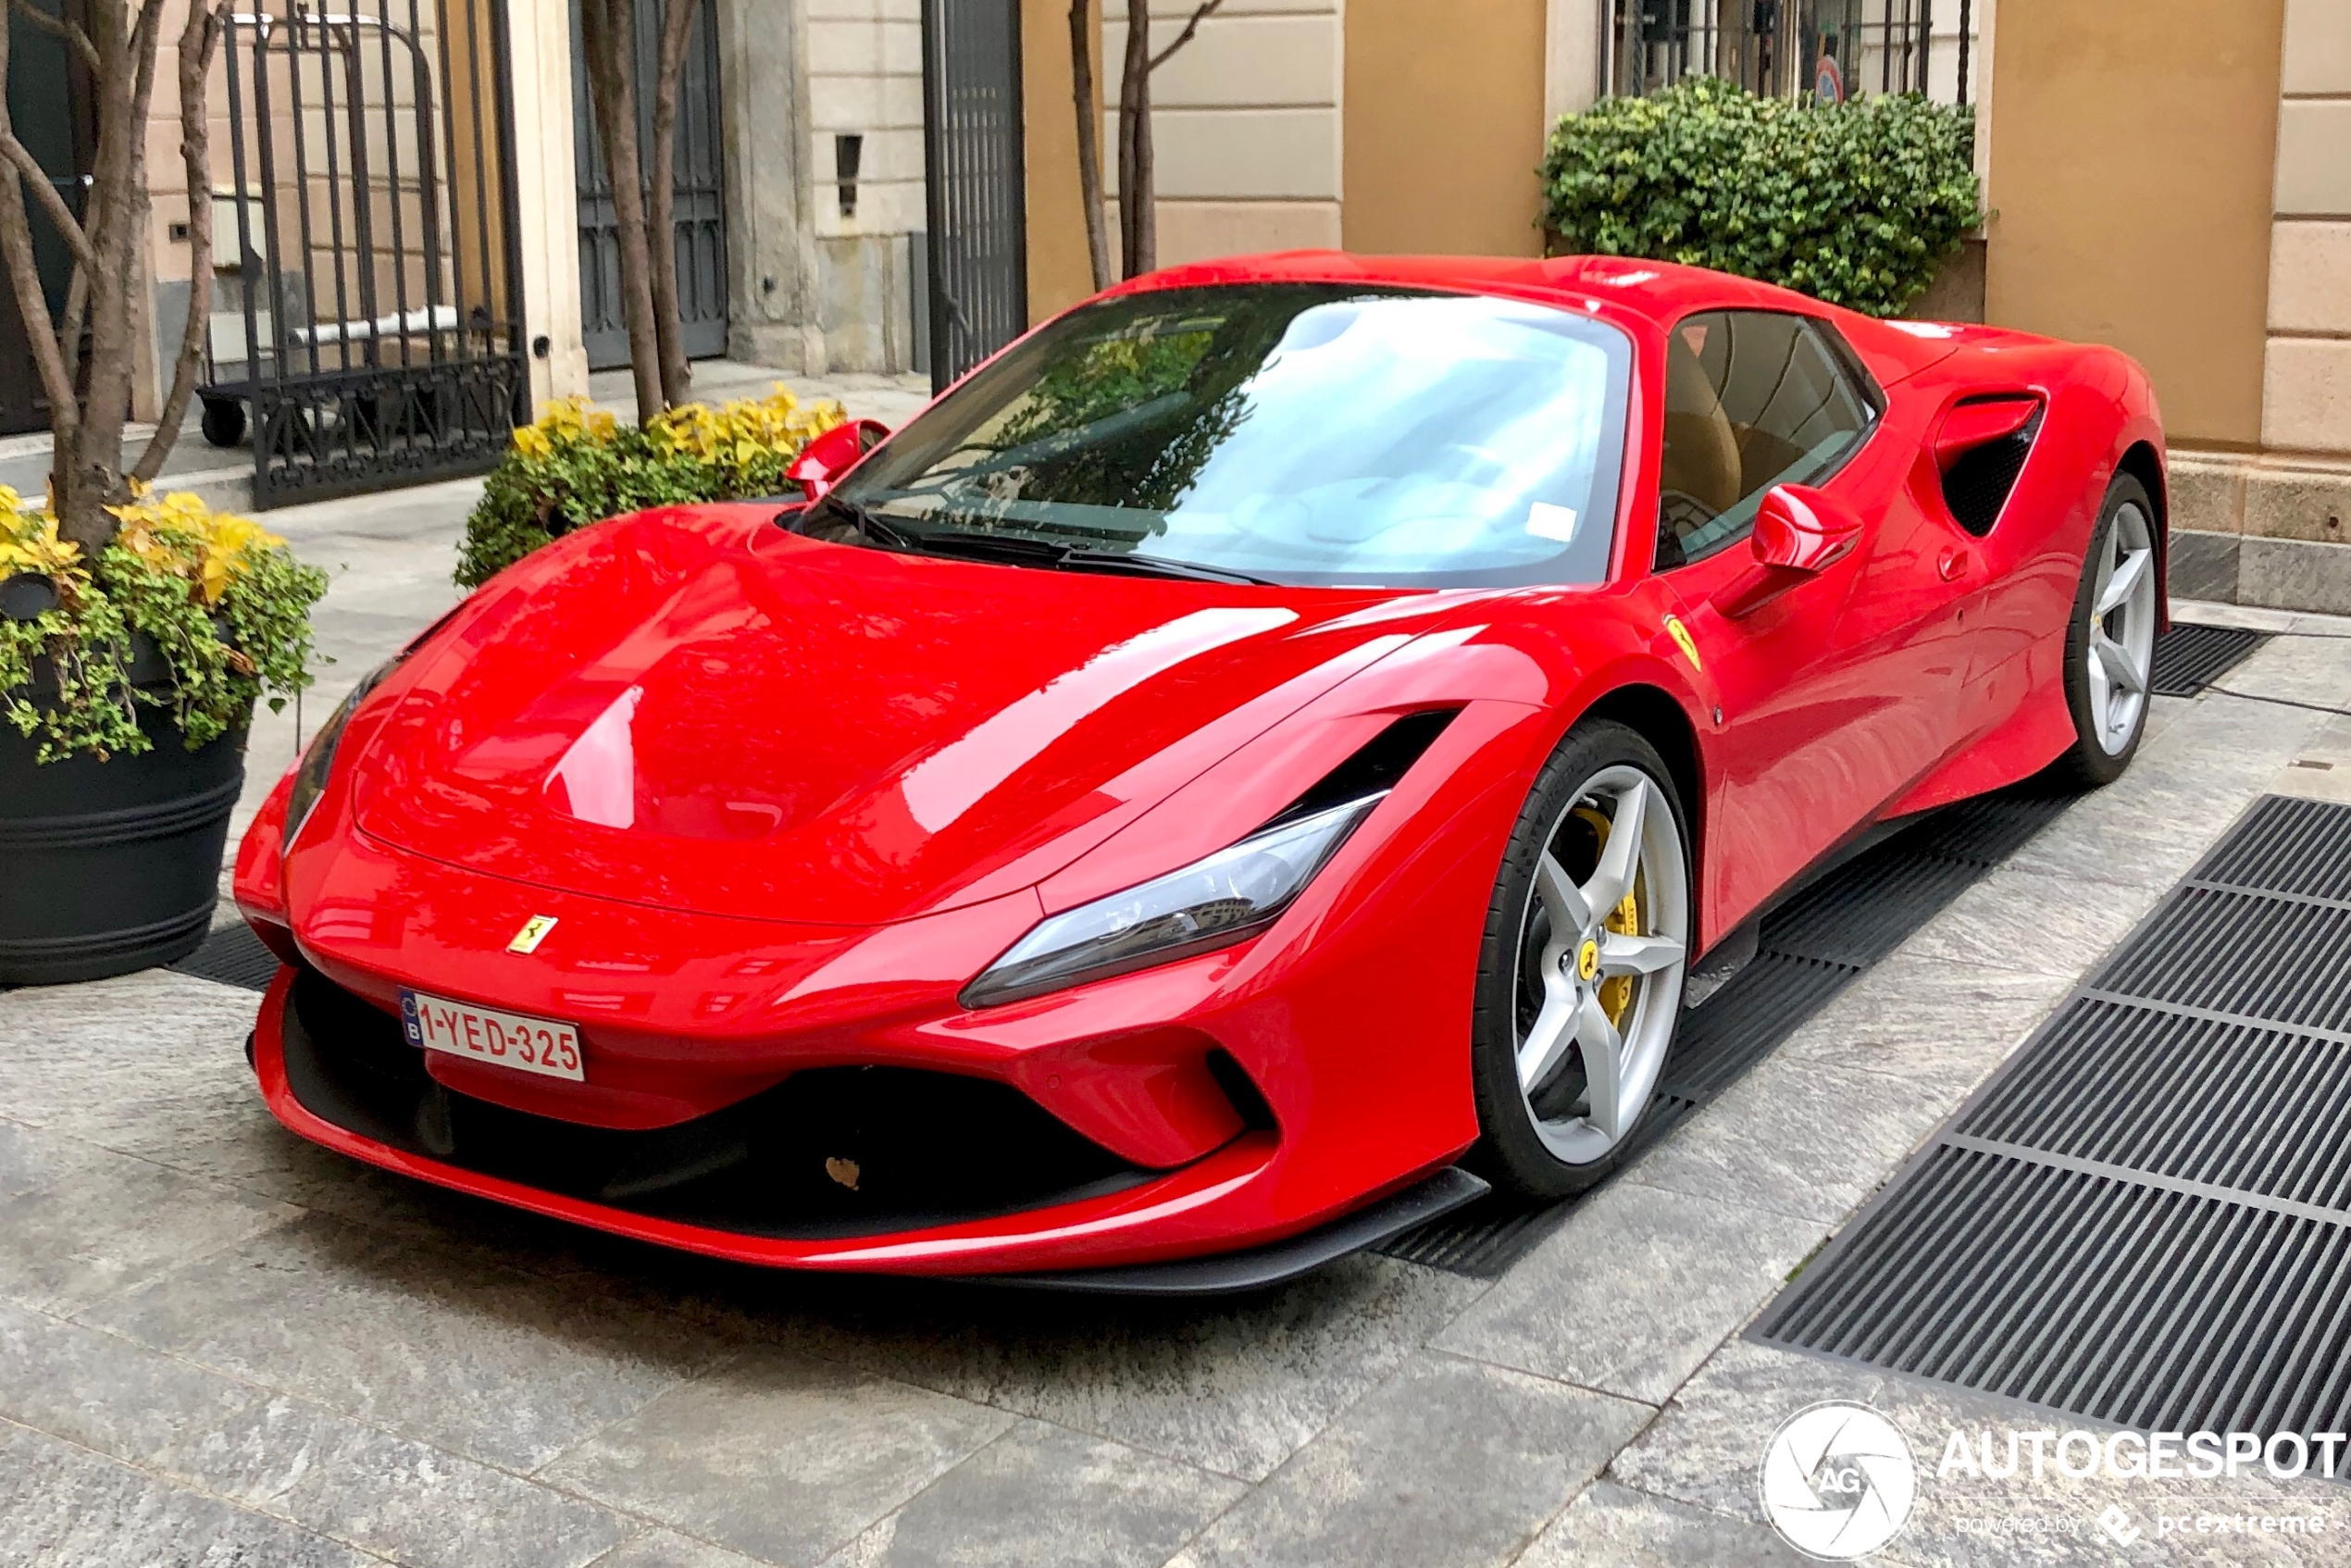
x=87 y=479
x=1138 y=186
x=1138 y=231
x=197 y=41
x=1090 y=138
x=677 y=36
x=608 y=37
x=90 y=404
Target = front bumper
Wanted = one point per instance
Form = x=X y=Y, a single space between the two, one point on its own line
x=1007 y=1192
x=1342 y=1022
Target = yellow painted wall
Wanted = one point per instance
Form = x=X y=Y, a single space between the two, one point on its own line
x=1443 y=127
x=1059 y=272
x=2130 y=175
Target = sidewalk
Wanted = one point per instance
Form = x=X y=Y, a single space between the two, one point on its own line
x=209 y=1330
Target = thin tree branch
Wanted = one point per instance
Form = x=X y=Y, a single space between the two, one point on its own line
x=74 y=36
x=197 y=41
x=1207 y=8
x=607 y=30
x=1090 y=136
x=77 y=302
x=661 y=237
x=143 y=51
x=45 y=194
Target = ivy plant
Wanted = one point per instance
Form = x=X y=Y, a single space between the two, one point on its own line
x=1855 y=204
x=225 y=606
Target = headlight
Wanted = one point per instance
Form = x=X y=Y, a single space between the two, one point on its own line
x=1209 y=903
x=319 y=758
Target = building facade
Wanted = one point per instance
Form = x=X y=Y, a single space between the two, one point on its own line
x=2174 y=180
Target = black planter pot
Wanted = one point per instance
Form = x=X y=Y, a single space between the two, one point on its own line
x=110 y=866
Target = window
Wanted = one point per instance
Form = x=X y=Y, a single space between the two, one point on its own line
x=1298 y=433
x=1752 y=399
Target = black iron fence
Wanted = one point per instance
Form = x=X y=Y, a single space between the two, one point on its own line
x=372 y=325
x=972 y=140
x=1825 y=49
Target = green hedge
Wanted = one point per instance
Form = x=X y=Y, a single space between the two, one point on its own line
x=1855 y=204
x=578 y=465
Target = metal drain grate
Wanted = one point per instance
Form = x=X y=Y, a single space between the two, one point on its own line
x=2190 y=656
x=1863 y=912
x=2286 y=845
x=233 y=957
x=1811 y=948
x=2145 y=1217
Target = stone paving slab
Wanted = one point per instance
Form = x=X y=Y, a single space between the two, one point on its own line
x=218 y=1344
x=64 y=1504
x=1447 y=1463
x=1630 y=1294
x=1045 y=1496
x=283 y=1455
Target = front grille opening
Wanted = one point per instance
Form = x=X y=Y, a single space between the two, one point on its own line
x=921 y=1148
x=1373 y=767
x=1977 y=485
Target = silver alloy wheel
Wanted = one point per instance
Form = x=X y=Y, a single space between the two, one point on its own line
x=2120 y=650
x=1601 y=962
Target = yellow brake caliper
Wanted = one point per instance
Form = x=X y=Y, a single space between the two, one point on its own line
x=1616 y=991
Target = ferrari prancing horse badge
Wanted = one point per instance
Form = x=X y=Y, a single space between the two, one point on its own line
x=534 y=931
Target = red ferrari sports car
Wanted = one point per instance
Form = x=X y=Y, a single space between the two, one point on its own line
x=1271 y=743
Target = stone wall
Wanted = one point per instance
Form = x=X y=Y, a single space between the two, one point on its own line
x=2268 y=527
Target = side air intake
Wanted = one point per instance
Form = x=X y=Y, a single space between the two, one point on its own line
x=1373 y=767
x=1982 y=449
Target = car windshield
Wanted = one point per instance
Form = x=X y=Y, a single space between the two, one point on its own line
x=1301 y=433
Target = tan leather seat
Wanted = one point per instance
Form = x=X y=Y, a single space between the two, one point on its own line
x=1701 y=448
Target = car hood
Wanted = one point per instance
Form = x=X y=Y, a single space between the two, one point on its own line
x=696 y=710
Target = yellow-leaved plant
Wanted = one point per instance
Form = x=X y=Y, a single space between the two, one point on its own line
x=222 y=603
x=577 y=466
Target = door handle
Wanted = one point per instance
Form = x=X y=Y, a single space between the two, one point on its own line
x=1953 y=566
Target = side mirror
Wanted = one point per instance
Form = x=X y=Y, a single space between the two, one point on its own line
x=824 y=460
x=1800 y=532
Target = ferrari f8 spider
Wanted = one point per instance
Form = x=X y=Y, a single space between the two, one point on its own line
x=1277 y=736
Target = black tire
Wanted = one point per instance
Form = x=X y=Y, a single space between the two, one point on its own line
x=1509 y=1153
x=2086 y=765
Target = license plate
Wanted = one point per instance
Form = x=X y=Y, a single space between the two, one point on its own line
x=483 y=1034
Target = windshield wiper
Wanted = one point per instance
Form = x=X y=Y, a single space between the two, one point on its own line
x=864 y=519
x=1045 y=553
x=1155 y=566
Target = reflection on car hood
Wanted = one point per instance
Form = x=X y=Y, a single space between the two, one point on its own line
x=696 y=710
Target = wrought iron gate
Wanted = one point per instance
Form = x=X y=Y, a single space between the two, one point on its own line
x=371 y=218
x=698 y=184
x=1784 y=48
x=977 y=201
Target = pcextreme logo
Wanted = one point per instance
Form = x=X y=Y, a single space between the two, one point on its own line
x=1838 y=1481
